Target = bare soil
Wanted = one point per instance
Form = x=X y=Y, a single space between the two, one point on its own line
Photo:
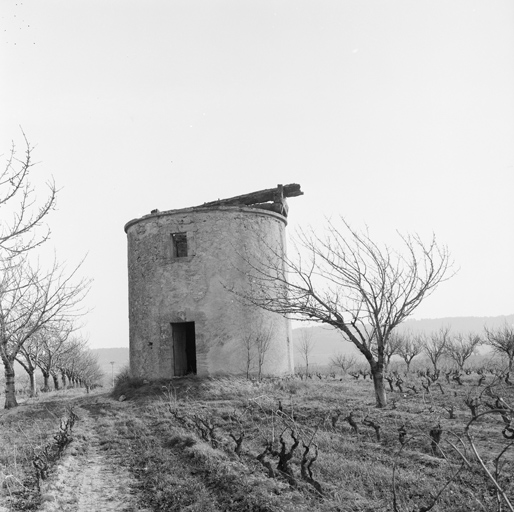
x=87 y=478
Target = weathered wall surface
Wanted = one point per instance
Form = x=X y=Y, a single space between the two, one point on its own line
x=164 y=289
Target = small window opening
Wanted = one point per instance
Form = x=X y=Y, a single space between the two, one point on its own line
x=179 y=245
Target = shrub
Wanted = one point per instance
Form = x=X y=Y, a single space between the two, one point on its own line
x=125 y=384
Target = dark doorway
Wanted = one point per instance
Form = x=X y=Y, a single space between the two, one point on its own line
x=184 y=348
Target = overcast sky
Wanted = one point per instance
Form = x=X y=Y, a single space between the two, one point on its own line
x=399 y=115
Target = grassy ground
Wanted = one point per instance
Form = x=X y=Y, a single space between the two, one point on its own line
x=193 y=425
x=179 y=439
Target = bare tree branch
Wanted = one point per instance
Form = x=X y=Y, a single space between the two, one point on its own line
x=22 y=215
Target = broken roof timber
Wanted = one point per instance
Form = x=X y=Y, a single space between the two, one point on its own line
x=276 y=194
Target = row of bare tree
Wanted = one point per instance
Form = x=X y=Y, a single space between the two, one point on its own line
x=436 y=346
x=66 y=360
x=38 y=305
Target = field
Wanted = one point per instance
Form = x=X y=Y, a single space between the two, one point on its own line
x=279 y=445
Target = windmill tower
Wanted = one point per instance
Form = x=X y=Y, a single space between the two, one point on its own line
x=182 y=266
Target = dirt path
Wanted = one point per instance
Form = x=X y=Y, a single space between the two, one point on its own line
x=86 y=480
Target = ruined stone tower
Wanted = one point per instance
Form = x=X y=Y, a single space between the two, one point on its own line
x=183 y=266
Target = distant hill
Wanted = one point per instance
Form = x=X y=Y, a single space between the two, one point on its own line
x=464 y=324
x=328 y=341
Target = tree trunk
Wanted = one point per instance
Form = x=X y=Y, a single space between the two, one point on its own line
x=63 y=380
x=31 y=372
x=56 y=381
x=378 y=383
x=10 y=389
x=32 y=381
x=46 y=376
x=248 y=364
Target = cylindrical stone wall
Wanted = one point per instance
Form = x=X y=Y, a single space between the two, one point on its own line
x=182 y=266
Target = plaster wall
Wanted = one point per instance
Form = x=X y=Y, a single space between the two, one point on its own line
x=164 y=289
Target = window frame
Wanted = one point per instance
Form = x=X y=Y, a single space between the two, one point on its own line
x=179 y=240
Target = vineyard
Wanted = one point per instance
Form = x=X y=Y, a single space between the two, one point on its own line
x=319 y=443
x=303 y=443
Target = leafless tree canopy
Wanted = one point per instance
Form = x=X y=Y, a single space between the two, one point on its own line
x=502 y=342
x=346 y=280
x=22 y=213
x=435 y=345
x=460 y=348
x=411 y=345
x=343 y=361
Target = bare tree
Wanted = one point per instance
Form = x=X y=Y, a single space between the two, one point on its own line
x=435 y=345
x=30 y=299
x=410 y=346
x=305 y=346
x=248 y=348
x=262 y=342
x=344 y=279
x=343 y=361
x=502 y=342
x=460 y=348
